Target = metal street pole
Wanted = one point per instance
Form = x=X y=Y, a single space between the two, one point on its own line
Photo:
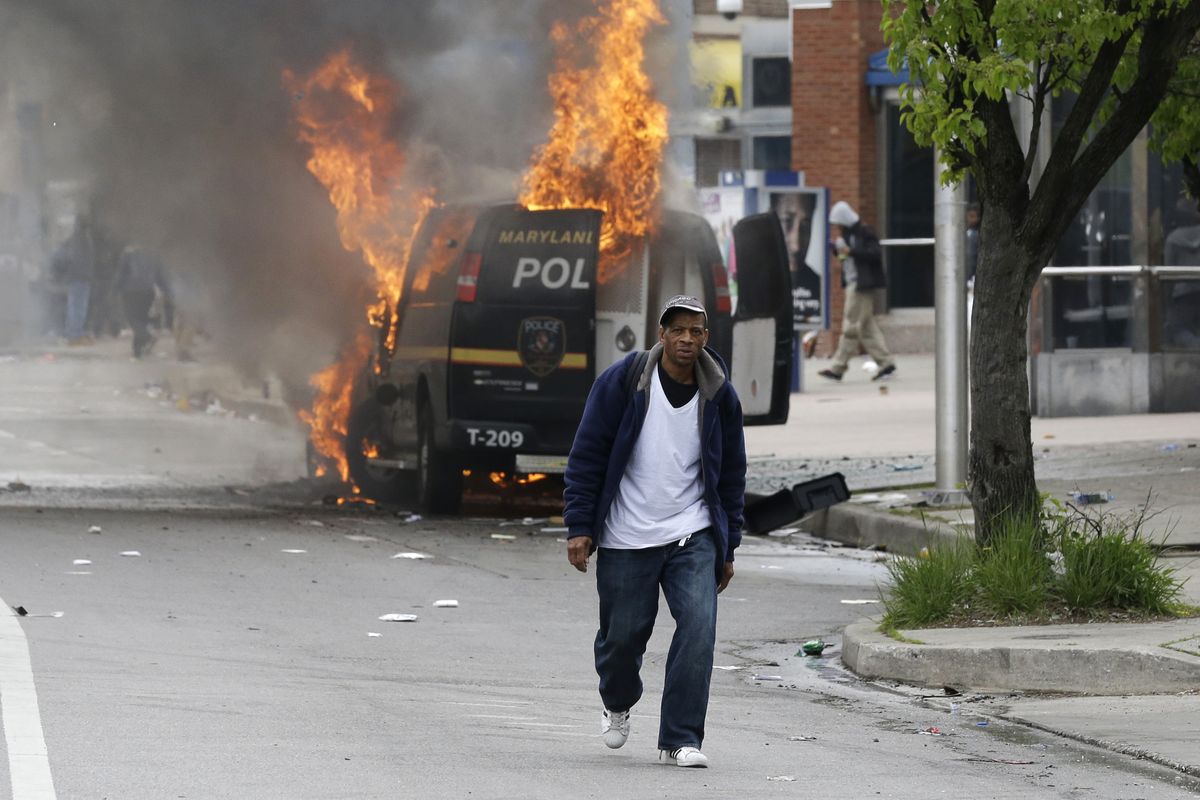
x=950 y=319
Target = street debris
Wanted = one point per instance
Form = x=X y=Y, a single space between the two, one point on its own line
x=235 y=490
x=983 y=723
x=77 y=572
x=95 y=529
x=768 y=677
x=360 y=537
x=21 y=612
x=316 y=523
x=131 y=553
x=445 y=604
x=413 y=556
x=784 y=532
x=411 y=518
x=802 y=738
x=1170 y=448
x=374 y=635
x=813 y=647
x=19 y=486
x=863 y=602
x=505 y=537
x=987 y=760
x=727 y=668
x=769 y=512
x=398 y=618
x=80 y=562
x=293 y=551
x=905 y=467
x=1091 y=498
x=787 y=778
x=931 y=732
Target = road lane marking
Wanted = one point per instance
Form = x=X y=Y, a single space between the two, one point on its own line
x=28 y=762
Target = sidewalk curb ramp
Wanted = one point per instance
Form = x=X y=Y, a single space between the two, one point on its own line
x=1044 y=659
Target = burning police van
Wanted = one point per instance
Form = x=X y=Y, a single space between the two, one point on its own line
x=506 y=318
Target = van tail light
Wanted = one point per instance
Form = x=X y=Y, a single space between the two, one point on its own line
x=721 y=284
x=468 y=277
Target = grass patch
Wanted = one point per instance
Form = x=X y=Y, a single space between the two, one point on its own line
x=1068 y=566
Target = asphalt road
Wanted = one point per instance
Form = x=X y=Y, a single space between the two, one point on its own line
x=218 y=663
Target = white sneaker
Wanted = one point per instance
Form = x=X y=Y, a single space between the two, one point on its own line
x=685 y=757
x=614 y=728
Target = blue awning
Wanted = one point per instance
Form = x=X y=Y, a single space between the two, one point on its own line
x=878 y=73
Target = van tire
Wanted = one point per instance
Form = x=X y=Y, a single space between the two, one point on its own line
x=378 y=483
x=439 y=477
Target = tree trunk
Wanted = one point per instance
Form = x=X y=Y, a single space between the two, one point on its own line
x=1000 y=465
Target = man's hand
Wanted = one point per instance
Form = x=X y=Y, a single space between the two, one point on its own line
x=578 y=550
x=726 y=577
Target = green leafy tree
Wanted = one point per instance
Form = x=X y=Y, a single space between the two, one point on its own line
x=972 y=63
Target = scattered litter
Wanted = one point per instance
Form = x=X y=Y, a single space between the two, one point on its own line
x=360 y=537
x=19 y=486
x=1048 y=436
x=316 y=523
x=80 y=562
x=987 y=760
x=507 y=537
x=923 y=553
x=930 y=732
x=802 y=738
x=412 y=518
x=951 y=691
x=398 y=618
x=446 y=604
x=413 y=556
x=131 y=553
x=94 y=529
x=983 y=723
x=769 y=566
x=905 y=467
x=727 y=668
x=863 y=602
x=237 y=491
x=784 y=532
x=215 y=407
x=1091 y=498
x=374 y=635
x=813 y=647
x=870 y=365
x=1170 y=448
x=788 y=778
x=77 y=572
x=768 y=677
x=293 y=551
x=21 y=612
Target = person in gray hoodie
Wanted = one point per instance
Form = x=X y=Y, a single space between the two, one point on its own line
x=857 y=247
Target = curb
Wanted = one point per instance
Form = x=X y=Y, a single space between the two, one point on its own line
x=1073 y=670
x=867 y=528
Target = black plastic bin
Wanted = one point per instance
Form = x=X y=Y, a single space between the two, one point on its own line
x=768 y=512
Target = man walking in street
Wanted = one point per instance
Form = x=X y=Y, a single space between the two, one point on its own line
x=857 y=247
x=655 y=482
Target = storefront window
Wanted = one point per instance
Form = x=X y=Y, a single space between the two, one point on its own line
x=1180 y=312
x=1093 y=311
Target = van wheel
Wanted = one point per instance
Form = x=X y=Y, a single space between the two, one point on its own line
x=383 y=484
x=439 y=477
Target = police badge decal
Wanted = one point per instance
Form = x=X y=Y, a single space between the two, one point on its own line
x=541 y=343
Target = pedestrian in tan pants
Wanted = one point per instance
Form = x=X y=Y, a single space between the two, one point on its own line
x=857 y=247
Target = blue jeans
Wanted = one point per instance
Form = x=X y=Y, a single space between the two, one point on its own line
x=77 y=308
x=628 y=582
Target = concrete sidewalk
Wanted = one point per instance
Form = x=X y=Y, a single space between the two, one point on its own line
x=1134 y=688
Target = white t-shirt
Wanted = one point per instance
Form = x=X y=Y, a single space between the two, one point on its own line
x=661 y=495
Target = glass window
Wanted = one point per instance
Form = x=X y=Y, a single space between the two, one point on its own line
x=1180 y=312
x=772 y=81
x=1101 y=233
x=1092 y=311
x=773 y=152
x=910 y=179
x=714 y=156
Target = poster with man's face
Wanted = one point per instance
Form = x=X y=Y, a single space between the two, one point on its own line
x=797 y=214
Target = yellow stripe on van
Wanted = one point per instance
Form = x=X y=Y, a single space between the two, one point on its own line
x=508 y=358
x=422 y=353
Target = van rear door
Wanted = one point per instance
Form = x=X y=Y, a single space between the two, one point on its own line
x=523 y=349
x=762 y=322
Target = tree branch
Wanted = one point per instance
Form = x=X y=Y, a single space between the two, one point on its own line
x=1039 y=108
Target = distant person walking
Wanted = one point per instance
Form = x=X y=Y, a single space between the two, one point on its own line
x=74 y=265
x=656 y=480
x=139 y=278
x=857 y=247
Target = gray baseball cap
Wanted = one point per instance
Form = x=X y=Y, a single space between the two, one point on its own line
x=682 y=301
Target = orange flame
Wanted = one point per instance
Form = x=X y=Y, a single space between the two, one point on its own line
x=344 y=115
x=605 y=149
